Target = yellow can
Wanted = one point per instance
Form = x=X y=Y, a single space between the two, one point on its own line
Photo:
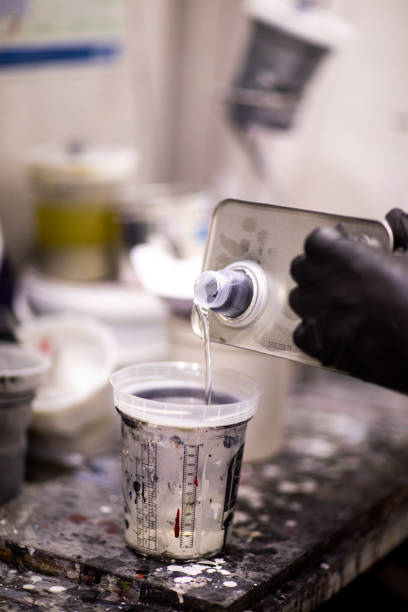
x=76 y=193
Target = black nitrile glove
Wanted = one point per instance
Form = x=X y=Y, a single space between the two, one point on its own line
x=353 y=302
x=398 y=221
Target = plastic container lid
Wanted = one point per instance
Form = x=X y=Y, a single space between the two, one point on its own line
x=317 y=26
x=83 y=354
x=80 y=164
x=127 y=382
x=21 y=369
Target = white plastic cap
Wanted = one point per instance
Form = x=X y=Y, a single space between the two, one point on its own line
x=211 y=289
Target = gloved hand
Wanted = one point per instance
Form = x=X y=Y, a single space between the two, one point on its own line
x=398 y=221
x=353 y=302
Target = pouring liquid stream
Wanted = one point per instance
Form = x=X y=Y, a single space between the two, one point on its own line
x=202 y=314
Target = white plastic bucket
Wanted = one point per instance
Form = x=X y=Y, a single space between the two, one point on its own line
x=72 y=411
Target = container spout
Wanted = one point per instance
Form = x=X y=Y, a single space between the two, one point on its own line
x=229 y=291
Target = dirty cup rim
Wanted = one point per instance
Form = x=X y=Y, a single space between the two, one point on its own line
x=25 y=378
x=127 y=381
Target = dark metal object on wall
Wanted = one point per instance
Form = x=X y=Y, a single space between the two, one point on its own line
x=270 y=85
x=287 y=42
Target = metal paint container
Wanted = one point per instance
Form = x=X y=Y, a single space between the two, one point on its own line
x=262 y=240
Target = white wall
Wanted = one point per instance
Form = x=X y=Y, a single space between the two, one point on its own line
x=350 y=152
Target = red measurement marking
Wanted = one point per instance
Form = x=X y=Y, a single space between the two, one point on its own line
x=177 y=524
x=45 y=345
x=110 y=526
x=196 y=482
x=77 y=518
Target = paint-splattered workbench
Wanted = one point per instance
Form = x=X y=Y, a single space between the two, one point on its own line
x=308 y=522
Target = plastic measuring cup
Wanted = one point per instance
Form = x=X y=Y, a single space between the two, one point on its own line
x=181 y=459
x=21 y=373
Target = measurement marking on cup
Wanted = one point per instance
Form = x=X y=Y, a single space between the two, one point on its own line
x=188 y=502
x=146 y=467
